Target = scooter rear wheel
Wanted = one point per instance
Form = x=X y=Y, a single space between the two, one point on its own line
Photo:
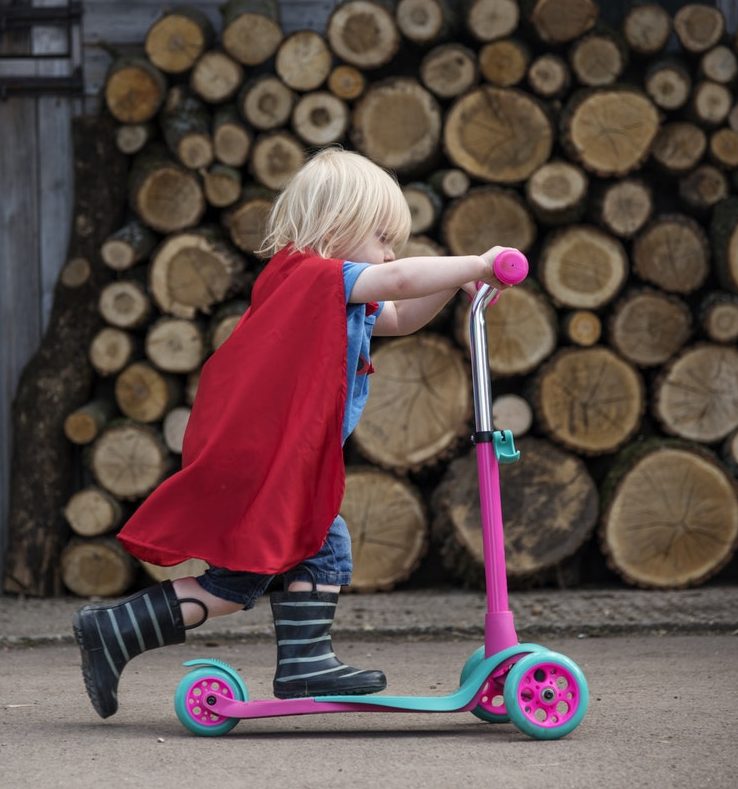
x=190 y=706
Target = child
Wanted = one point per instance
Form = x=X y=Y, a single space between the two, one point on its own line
x=262 y=465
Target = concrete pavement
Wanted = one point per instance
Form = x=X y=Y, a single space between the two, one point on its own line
x=433 y=613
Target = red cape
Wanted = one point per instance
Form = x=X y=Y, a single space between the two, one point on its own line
x=262 y=473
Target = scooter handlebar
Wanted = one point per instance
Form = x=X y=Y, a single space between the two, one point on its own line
x=510 y=266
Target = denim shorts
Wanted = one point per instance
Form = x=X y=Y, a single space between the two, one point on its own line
x=331 y=566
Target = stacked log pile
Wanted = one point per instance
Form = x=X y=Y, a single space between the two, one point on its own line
x=608 y=156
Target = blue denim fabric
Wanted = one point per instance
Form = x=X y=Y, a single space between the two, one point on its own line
x=331 y=566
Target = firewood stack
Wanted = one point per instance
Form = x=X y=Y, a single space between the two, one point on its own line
x=608 y=156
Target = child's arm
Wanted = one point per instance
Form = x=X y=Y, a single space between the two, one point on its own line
x=416 y=289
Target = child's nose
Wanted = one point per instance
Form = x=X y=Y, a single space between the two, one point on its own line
x=389 y=254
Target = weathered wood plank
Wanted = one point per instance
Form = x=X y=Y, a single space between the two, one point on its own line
x=19 y=280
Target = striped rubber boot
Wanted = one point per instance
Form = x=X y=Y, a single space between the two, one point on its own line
x=109 y=635
x=306 y=663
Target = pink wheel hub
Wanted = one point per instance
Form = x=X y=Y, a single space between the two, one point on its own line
x=548 y=695
x=197 y=694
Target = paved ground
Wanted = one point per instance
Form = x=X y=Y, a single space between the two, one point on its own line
x=712 y=609
x=663 y=715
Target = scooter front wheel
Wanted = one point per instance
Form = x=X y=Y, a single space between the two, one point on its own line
x=546 y=695
x=190 y=700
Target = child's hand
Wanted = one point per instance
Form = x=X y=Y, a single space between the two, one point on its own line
x=470 y=288
x=489 y=258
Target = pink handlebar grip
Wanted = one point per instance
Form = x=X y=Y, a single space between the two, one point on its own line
x=510 y=267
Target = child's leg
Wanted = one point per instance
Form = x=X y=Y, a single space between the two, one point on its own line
x=111 y=634
x=303 y=616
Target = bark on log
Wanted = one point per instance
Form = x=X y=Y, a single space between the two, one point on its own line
x=609 y=130
x=97 y=567
x=251 y=30
x=450 y=183
x=647 y=327
x=487 y=216
x=175 y=345
x=504 y=63
x=134 y=90
x=729 y=453
x=92 y=511
x=165 y=196
x=718 y=316
x=363 y=33
x=58 y=378
x=224 y=321
x=419 y=403
x=216 y=77
x=127 y=246
x=561 y=21
x=176 y=40
x=222 y=185
x=696 y=395
x=676 y=546
x=185 y=123
x=497 y=134
x=231 y=139
x=589 y=400
x=582 y=267
x=193 y=271
x=397 y=124
x=549 y=503
x=521 y=330
x=303 y=61
x=672 y=252
x=449 y=70
x=388 y=527
x=84 y=424
x=129 y=460
x=647 y=28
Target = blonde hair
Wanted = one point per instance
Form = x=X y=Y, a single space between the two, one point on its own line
x=336 y=200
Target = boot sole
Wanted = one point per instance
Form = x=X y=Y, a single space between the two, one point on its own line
x=303 y=693
x=87 y=670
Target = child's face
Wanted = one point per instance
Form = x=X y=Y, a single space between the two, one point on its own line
x=375 y=249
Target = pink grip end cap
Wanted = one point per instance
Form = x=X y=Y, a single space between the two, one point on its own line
x=511 y=267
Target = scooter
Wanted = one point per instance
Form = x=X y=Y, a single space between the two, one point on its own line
x=543 y=693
